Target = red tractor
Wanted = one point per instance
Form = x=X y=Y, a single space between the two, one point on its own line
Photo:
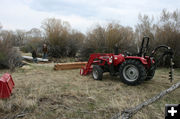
x=132 y=69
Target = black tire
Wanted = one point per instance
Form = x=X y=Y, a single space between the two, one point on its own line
x=113 y=75
x=150 y=75
x=132 y=72
x=97 y=72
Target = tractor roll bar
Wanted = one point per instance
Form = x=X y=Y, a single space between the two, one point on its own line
x=144 y=46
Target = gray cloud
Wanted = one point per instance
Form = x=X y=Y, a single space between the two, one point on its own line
x=82 y=14
x=64 y=7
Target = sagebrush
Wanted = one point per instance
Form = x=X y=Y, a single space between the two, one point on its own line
x=9 y=56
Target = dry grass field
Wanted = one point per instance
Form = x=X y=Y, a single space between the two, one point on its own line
x=42 y=93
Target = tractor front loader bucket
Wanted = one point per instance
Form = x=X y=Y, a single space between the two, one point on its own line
x=6 y=86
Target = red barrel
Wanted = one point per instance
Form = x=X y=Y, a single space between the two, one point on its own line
x=6 y=86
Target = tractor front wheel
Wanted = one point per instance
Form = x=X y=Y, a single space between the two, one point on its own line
x=97 y=72
x=132 y=72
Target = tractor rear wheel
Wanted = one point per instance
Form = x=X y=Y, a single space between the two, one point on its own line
x=97 y=72
x=132 y=72
x=150 y=75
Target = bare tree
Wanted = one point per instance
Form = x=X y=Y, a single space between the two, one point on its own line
x=57 y=34
x=20 y=37
x=1 y=26
x=168 y=32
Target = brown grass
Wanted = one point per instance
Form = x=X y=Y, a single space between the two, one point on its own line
x=42 y=93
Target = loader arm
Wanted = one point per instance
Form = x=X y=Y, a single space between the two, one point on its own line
x=96 y=58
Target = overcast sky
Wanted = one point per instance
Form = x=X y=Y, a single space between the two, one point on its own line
x=81 y=14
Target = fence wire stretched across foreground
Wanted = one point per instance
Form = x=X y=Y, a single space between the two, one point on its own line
x=128 y=113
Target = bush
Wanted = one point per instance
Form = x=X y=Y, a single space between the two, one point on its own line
x=9 y=56
x=62 y=40
x=85 y=52
x=104 y=39
x=33 y=44
x=56 y=51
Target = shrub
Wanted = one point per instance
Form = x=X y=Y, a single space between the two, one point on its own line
x=35 y=43
x=9 y=56
x=103 y=40
x=62 y=40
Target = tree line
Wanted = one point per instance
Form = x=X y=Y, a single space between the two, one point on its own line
x=63 y=41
